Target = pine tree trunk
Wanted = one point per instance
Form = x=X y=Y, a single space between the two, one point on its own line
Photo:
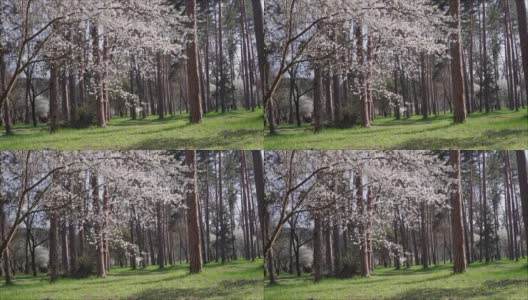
x=221 y=209
x=485 y=59
x=363 y=255
x=258 y=19
x=424 y=90
x=457 y=73
x=99 y=255
x=317 y=103
x=207 y=230
x=53 y=247
x=193 y=224
x=6 y=255
x=99 y=95
x=457 y=225
x=523 y=32
x=53 y=98
x=106 y=212
x=522 y=168
x=193 y=75
x=363 y=101
x=424 y=237
x=161 y=240
x=65 y=256
x=329 y=251
x=318 y=248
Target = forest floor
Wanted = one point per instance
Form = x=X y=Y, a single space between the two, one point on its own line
x=495 y=130
x=235 y=280
x=498 y=280
x=241 y=130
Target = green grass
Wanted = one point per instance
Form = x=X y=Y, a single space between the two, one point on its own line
x=496 y=130
x=233 y=130
x=498 y=280
x=235 y=280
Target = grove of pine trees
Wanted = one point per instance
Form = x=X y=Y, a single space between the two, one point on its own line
x=344 y=63
x=71 y=63
x=344 y=213
x=76 y=214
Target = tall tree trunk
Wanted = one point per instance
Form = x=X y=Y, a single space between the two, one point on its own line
x=258 y=19
x=221 y=209
x=424 y=89
x=485 y=57
x=363 y=255
x=53 y=245
x=471 y=254
x=457 y=73
x=522 y=168
x=207 y=230
x=6 y=257
x=329 y=251
x=318 y=248
x=193 y=77
x=99 y=93
x=318 y=95
x=65 y=255
x=104 y=237
x=424 y=237
x=508 y=209
x=485 y=204
x=99 y=255
x=161 y=239
x=258 y=170
x=523 y=32
x=221 y=58
x=457 y=225
x=53 y=98
x=363 y=99
x=471 y=99
x=160 y=90
x=193 y=224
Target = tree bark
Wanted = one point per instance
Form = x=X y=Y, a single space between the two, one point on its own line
x=53 y=244
x=318 y=248
x=99 y=93
x=522 y=168
x=457 y=225
x=221 y=209
x=193 y=76
x=523 y=32
x=457 y=73
x=193 y=224
x=363 y=97
x=258 y=19
x=53 y=98
x=99 y=255
x=317 y=103
x=363 y=254
x=485 y=204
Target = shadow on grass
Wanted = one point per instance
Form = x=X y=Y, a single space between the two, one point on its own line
x=489 y=290
x=227 y=139
x=222 y=290
x=486 y=139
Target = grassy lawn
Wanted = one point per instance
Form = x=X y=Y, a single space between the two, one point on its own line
x=235 y=280
x=500 y=280
x=232 y=130
x=496 y=130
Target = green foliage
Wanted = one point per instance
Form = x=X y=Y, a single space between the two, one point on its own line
x=233 y=130
x=498 y=130
x=497 y=280
x=85 y=267
x=85 y=118
x=235 y=280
